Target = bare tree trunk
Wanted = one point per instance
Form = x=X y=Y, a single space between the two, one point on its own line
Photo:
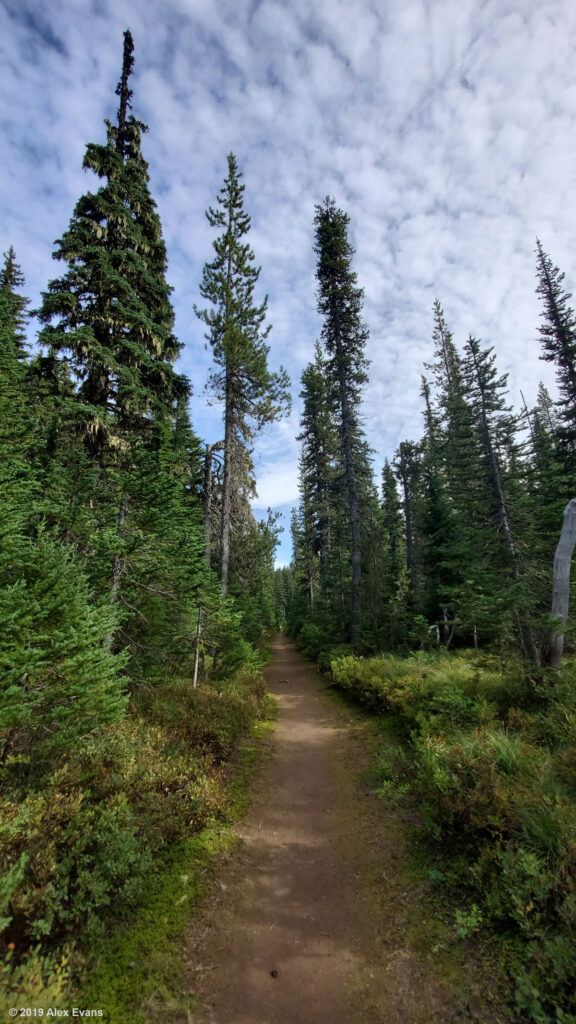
x=561 y=584
x=197 y=649
x=207 y=510
x=117 y=564
x=226 y=482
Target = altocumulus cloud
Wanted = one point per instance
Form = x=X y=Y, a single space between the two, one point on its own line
x=445 y=130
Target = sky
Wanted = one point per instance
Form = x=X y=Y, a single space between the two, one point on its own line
x=446 y=129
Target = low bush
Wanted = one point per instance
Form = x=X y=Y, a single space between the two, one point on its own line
x=76 y=850
x=494 y=775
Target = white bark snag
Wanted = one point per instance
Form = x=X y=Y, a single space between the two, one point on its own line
x=561 y=584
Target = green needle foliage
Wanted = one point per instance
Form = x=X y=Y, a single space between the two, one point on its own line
x=252 y=396
x=558 y=335
x=110 y=314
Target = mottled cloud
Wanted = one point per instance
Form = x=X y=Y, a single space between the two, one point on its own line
x=446 y=131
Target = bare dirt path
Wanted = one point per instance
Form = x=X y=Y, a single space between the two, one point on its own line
x=308 y=924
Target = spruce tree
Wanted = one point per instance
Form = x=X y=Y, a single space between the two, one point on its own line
x=317 y=474
x=345 y=335
x=110 y=314
x=558 y=335
x=393 y=564
x=252 y=396
x=496 y=428
x=114 y=485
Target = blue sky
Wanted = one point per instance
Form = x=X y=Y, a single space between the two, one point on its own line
x=445 y=128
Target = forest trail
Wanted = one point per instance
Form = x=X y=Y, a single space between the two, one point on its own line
x=308 y=921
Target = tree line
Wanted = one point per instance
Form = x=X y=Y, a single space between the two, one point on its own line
x=129 y=551
x=456 y=545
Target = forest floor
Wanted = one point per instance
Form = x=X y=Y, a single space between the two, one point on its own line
x=317 y=917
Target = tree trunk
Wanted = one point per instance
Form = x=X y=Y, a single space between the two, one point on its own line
x=354 y=506
x=561 y=584
x=207 y=503
x=226 y=481
x=197 y=649
x=207 y=510
x=117 y=565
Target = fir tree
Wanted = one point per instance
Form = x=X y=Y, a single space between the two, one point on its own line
x=558 y=334
x=252 y=396
x=496 y=427
x=110 y=314
x=317 y=473
x=344 y=334
x=13 y=315
x=393 y=563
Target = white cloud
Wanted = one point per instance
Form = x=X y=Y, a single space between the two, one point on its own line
x=444 y=129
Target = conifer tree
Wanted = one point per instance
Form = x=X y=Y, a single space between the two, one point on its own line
x=120 y=495
x=393 y=563
x=110 y=314
x=317 y=474
x=558 y=335
x=58 y=680
x=252 y=396
x=344 y=334
x=13 y=316
x=495 y=428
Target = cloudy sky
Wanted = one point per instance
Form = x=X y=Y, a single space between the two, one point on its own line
x=445 y=128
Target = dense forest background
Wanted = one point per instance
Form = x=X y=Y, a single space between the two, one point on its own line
x=137 y=586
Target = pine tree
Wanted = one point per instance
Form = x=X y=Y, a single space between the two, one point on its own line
x=252 y=396
x=344 y=334
x=558 y=334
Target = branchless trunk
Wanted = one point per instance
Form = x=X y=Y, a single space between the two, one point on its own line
x=561 y=583
x=226 y=481
x=197 y=648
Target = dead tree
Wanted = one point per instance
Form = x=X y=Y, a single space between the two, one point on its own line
x=561 y=582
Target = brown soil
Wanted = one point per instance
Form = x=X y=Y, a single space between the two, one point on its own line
x=310 y=921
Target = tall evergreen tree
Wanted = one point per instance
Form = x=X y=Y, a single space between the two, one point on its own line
x=393 y=564
x=114 y=478
x=558 y=335
x=110 y=314
x=345 y=335
x=496 y=428
x=317 y=473
x=252 y=396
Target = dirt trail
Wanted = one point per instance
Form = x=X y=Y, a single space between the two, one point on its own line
x=309 y=922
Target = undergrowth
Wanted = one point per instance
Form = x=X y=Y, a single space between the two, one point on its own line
x=117 y=833
x=491 y=772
